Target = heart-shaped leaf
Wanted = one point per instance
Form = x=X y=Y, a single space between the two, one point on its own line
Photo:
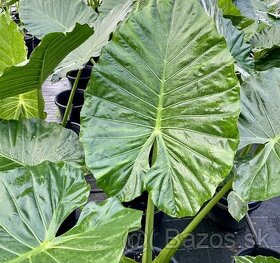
x=34 y=203
x=31 y=142
x=259 y=123
x=42 y=17
x=166 y=79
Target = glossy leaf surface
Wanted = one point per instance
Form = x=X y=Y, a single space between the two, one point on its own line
x=259 y=178
x=51 y=51
x=31 y=142
x=42 y=17
x=36 y=200
x=166 y=78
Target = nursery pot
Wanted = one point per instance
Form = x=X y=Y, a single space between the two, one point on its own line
x=258 y=251
x=29 y=41
x=136 y=254
x=222 y=218
x=75 y=127
x=61 y=101
x=67 y=224
x=84 y=79
x=140 y=203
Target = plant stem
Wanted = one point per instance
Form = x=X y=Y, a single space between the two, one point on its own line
x=70 y=101
x=171 y=248
x=149 y=226
x=41 y=104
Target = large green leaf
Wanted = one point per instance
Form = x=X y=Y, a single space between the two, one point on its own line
x=13 y=52
x=259 y=259
x=165 y=79
x=31 y=142
x=108 y=5
x=12 y=47
x=92 y=47
x=239 y=49
x=258 y=179
x=34 y=203
x=51 y=51
x=42 y=17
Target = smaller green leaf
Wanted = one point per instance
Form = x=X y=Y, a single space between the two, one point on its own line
x=259 y=259
x=258 y=179
x=34 y=203
x=237 y=207
x=265 y=41
x=272 y=59
x=31 y=142
x=42 y=17
x=52 y=50
x=92 y=47
x=12 y=47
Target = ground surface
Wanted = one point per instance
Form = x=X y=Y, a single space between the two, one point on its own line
x=209 y=243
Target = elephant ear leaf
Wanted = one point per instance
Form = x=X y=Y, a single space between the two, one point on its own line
x=34 y=203
x=258 y=179
x=31 y=142
x=13 y=52
x=42 y=17
x=165 y=80
x=259 y=259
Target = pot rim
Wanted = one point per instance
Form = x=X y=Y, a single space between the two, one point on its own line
x=81 y=78
x=78 y=91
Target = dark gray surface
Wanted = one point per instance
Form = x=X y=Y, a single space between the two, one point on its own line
x=209 y=243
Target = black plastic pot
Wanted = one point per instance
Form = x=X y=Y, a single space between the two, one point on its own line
x=140 y=203
x=75 y=127
x=258 y=251
x=223 y=219
x=29 y=42
x=136 y=254
x=68 y=223
x=84 y=79
x=61 y=101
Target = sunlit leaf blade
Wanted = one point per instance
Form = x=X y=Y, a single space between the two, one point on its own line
x=30 y=142
x=236 y=206
x=166 y=77
x=13 y=52
x=51 y=51
x=36 y=200
x=92 y=47
x=239 y=49
x=259 y=259
x=42 y=17
x=259 y=178
x=12 y=47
